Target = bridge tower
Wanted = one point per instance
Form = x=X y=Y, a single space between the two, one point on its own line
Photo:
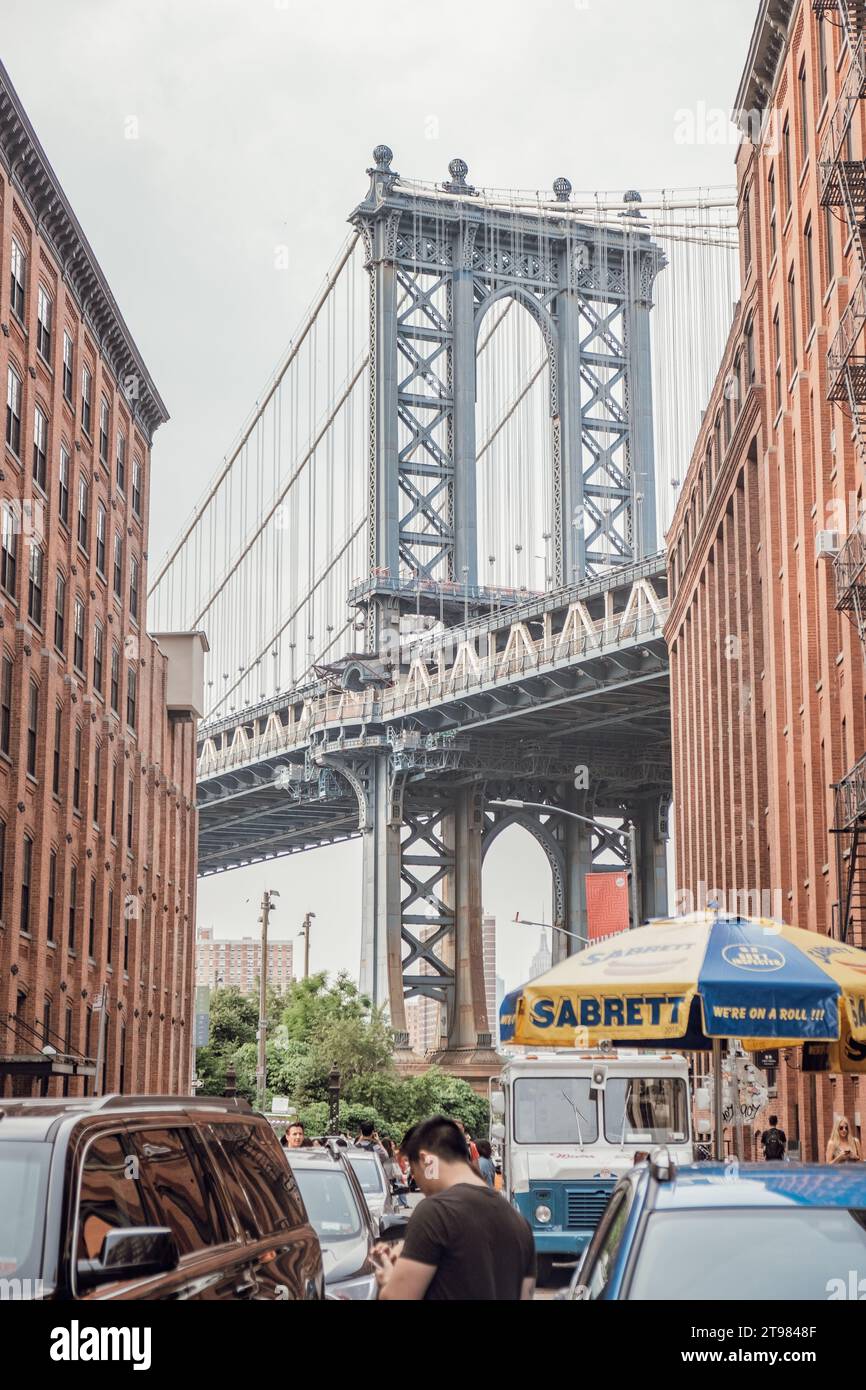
x=438 y=259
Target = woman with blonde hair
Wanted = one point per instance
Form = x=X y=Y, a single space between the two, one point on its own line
x=842 y=1147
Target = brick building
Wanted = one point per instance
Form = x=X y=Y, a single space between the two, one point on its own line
x=97 y=743
x=223 y=963
x=766 y=673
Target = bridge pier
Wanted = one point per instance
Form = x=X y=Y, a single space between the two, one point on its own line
x=381 y=974
x=651 y=820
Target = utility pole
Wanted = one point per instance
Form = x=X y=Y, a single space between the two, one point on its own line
x=261 y=1072
x=305 y=933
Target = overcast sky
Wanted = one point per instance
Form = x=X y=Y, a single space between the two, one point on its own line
x=194 y=137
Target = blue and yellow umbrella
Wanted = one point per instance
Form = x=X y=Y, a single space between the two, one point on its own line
x=688 y=982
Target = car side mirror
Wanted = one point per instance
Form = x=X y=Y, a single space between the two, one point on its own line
x=130 y=1252
x=393 y=1227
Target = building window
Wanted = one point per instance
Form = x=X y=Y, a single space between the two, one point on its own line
x=73 y=894
x=44 y=318
x=91 y=921
x=9 y=550
x=96 y=768
x=13 y=411
x=26 y=871
x=52 y=890
x=63 y=499
x=747 y=230
x=810 y=277
x=133 y=587
x=115 y=678
x=86 y=398
x=131 y=683
x=110 y=925
x=58 y=732
x=76 y=769
x=777 y=348
x=118 y=564
x=32 y=728
x=126 y=939
x=98 y=651
x=78 y=642
x=804 y=110
x=83 y=512
x=771 y=184
x=101 y=527
x=113 y=800
x=68 y=366
x=19 y=272
x=34 y=585
x=121 y=461
x=829 y=258
x=786 y=161
x=136 y=486
x=104 y=420
x=129 y=813
x=2 y=866
x=46 y=1019
x=822 y=59
x=6 y=705
x=792 y=318
x=40 y=447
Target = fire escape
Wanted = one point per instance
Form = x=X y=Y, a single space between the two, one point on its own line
x=842 y=186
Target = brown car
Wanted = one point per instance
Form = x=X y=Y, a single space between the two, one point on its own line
x=150 y=1197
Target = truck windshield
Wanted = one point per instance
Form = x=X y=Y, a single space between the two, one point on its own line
x=23 y=1180
x=646 y=1110
x=554 y=1110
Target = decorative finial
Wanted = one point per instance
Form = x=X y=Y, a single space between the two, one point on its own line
x=383 y=176
x=383 y=156
x=562 y=189
x=458 y=169
x=630 y=197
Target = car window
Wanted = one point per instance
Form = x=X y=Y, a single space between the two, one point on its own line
x=264 y=1176
x=172 y=1164
x=597 y=1275
x=23 y=1182
x=369 y=1173
x=330 y=1202
x=110 y=1195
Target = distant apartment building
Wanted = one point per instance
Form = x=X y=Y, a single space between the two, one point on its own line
x=235 y=963
x=543 y=958
x=488 y=947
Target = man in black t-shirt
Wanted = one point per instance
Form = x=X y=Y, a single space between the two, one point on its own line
x=774 y=1141
x=464 y=1241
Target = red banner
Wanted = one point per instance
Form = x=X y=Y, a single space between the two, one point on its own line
x=606 y=904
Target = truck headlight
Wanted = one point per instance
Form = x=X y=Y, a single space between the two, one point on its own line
x=543 y=1215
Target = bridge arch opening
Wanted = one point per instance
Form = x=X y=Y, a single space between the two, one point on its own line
x=516 y=878
x=513 y=448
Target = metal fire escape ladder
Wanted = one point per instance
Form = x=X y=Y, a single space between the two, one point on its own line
x=842 y=184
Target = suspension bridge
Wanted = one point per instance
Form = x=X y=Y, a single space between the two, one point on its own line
x=430 y=568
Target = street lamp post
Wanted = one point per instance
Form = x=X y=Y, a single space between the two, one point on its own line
x=261 y=1071
x=605 y=830
x=334 y=1099
x=551 y=926
x=305 y=933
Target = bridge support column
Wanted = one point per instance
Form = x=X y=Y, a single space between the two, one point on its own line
x=651 y=822
x=578 y=863
x=381 y=969
x=469 y=1015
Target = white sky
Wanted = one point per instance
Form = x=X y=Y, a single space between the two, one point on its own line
x=255 y=121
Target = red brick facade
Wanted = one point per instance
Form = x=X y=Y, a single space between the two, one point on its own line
x=767 y=678
x=97 y=789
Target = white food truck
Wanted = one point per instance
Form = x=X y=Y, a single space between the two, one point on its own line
x=568 y=1123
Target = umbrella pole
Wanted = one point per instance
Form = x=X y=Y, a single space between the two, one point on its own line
x=718 y=1126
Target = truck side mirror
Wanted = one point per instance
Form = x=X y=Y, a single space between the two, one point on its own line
x=497 y=1131
x=497 y=1102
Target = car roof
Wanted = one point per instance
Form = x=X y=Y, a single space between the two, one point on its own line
x=714 y=1185
x=37 y=1118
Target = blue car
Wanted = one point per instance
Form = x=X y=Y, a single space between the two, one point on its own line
x=733 y=1232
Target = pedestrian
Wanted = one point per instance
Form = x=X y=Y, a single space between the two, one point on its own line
x=369 y=1139
x=470 y=1147
x=485 y=1162
x=463 y=1243
x=393 y=1172
x=294 y=1135
x=842 y=1147
x=774 y=1141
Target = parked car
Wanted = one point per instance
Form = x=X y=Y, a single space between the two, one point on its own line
x=342 y=1218
x=708 y=1232
x=151 y=1197
x=368 y=1169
